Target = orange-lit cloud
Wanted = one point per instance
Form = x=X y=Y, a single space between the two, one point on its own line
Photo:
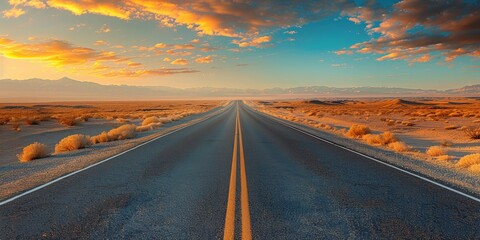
x=343 y=52
x=63 y=54
x=207 y=59
x=99 y=43
x=13 y=12
x=54 y=52
x=111 y=8
x=255 y=42
x=236 y=19
x=179 y=61
x=423 y=58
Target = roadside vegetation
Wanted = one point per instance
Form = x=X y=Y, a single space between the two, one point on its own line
x=140 y=117
x=444 y=131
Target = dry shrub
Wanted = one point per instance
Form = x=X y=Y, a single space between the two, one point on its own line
x=73 y=142
x=357 y=130
x=126 y=131
x=446 y=143
x=4 y=121
x=380 y=139
x=68 y=121
x=407 y=123
x=150 y=123
x=143 y=128
x=123 y=132
x=475 y=168
x=122 y=120
x=33 y=151
x=399 y=146
x=445 y=158
x=373 y=139
x=451 y=127
x=16 y=127
x=435 y=151
x=100 y=138
x=468 y=160
x=150 y=120
x=32 y=121
x=472 y=132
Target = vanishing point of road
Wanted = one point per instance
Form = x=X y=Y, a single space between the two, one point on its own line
x=240 y=175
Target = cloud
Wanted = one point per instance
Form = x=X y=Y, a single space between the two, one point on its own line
x=343 y=52
x=339 y=65
x=54 y=52
x=143 y=72
x=111 y=8
x=292 y=32
x=207 y=59
x=179 y=61
x=415 y=28
x=255 y=42
x=13 y=13
x=174 y=52
x=99 y=43
x=423 y=58
x=104 y=29
x=77 y=26
x=235 y=19
x=167 y=59
x=134 y=64
x=30 y=3
x=160 y=45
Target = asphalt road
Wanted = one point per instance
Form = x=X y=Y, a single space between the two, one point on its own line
x=285 y=185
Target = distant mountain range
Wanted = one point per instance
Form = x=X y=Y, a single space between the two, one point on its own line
x=66 y=89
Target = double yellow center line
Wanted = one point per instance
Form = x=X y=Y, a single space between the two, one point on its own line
x=229 y=232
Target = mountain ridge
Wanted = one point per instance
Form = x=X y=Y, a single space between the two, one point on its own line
x=70 y=89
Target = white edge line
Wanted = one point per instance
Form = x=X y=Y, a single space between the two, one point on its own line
x=371 y=158
x=100 y=162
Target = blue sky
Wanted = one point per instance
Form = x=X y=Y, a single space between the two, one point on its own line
x=231 y=46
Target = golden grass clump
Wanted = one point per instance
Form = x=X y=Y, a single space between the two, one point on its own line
x=436 y=151
x=475 y=168
x=380 y=139
x=100 y=138
x=33 y=151
x=468 y=160
x=399 y=146
x=150 y=120
x=357 y=130
x=73 y=142
x=126 y=131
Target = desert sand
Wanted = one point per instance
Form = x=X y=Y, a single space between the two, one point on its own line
x=431 y=129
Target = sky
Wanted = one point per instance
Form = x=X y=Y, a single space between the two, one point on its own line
x=430 y=44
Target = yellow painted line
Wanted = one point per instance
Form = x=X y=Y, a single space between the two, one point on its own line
x=229 y=232
x=246 y=224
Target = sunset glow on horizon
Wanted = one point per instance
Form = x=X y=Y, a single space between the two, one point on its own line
x=243 y=44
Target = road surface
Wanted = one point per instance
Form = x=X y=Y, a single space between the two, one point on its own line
x=237 y=175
